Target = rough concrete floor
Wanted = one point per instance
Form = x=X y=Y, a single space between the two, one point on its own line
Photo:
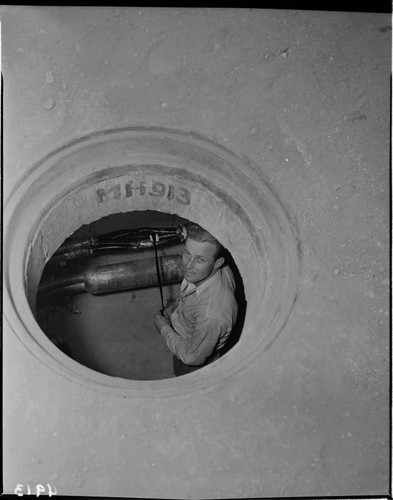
x=114 y=333
x=306 y=96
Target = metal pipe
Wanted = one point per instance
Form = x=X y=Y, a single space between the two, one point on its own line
x=140 y=273
x=60 y=283
x=135 y=274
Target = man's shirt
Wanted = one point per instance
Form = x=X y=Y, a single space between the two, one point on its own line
x=203 y=319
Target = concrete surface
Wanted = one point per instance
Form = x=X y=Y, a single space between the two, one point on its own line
x=114 y=334
x=304 y=95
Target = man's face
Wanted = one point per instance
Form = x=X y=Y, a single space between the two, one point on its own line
x=199 y=261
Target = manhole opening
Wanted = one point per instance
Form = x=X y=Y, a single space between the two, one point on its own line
x=107 y=325
x=170 y=172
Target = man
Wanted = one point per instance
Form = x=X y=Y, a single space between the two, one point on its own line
x=198 y=325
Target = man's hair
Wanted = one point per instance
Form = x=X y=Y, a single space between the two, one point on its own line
x=197 y=233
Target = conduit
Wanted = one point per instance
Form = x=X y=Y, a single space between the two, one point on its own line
x=118 y=277
x=123 y=240
x=134 y=169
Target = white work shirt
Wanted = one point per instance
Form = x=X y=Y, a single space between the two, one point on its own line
x=203 y=319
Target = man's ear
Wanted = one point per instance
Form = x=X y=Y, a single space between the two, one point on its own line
x=219 y=263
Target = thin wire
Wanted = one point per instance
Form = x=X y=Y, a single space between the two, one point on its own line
x=158 y=271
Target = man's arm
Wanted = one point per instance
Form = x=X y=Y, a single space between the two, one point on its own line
x=201 y=344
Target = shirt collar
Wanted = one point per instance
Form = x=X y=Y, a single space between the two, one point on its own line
x=191 y=288
x=187 y=287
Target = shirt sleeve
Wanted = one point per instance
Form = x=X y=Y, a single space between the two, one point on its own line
x=201 y=344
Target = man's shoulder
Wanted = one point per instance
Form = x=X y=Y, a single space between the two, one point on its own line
x=227 y=273
x=220 y=301
x=226 y=279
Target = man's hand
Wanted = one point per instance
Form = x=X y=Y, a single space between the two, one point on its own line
x=167 y=312
x=169 y=309
x=161 y=321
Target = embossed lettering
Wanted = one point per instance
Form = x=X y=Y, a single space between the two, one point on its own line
x=185 y=196
x=102 y=193
x=136 y=188
x=171 y=192
x=130 y=188
x=158 y=189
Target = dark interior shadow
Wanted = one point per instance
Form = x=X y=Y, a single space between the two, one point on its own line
x=242 y=306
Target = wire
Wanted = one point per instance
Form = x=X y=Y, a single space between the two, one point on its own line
x=158 y=270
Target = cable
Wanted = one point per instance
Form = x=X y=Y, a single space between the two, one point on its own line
x=158 y=271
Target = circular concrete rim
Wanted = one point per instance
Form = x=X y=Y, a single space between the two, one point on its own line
x=240 y=207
